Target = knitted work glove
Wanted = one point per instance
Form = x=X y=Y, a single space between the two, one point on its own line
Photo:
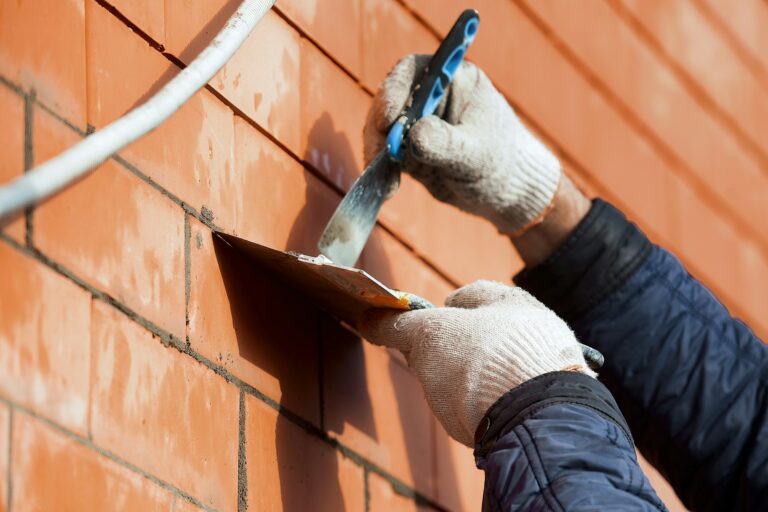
x=476 y=155
x=489 y=339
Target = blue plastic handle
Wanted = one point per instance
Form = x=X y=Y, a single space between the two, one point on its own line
x=427 y=94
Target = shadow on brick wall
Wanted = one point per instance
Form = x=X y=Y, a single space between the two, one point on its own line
x=346 y=399
x=277 y=331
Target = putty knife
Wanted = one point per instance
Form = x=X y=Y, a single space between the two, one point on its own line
x=347 y=232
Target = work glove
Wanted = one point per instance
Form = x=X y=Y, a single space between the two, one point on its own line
x=474 y=154
x=488 y=339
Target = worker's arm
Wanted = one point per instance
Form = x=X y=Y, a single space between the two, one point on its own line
x=504 y=374
x=559 y=443
x=690 y=379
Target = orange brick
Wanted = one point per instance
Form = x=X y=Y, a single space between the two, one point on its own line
x=334 y=25
x=278 y=203
x=5 y=443
x=650 y=90
x=691 y=41
x=12 y=150
x=260 y=81
x=45 y=340
x=191 y=155
x=440 y=15
x=123 y=70
x=162 y=411
x=264 y=83
x=375 y=405
x=115 y=232
x=753 y=271
x=383 y=497
x=705 y=238
x=746 y=24
x=52 y=471
x=714 y=253
x=42 y=47
x=148 y=15
x=461 y=245
x=333 y=110
x=191 y=26
x=390 y=262
x=389 y=33
x=274 y=350
x=288 y=469
x=50 y=136
x=459 y=482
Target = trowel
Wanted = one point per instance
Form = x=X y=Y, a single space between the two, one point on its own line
x=330 y=279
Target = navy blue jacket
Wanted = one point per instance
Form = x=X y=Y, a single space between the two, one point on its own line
x=689 y=379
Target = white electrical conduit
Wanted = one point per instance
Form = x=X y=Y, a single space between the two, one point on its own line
x=55 y=174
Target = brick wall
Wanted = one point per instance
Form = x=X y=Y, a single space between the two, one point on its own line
x=144 y=367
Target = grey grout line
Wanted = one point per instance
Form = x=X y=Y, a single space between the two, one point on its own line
x=29 y=159
x=152 y=183
x=242 y=461
x=165 y=336
x=9 y=480
x=187 y=274
x=63 y=120
x=12 y=86
x=127 y=22
x=366 y=490
x=169 y=340
x=104 y=452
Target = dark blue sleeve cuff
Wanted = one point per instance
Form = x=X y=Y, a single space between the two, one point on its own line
x=547 y=390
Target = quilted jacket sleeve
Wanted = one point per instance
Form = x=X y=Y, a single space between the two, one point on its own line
x=559 y=443
x=689 y=378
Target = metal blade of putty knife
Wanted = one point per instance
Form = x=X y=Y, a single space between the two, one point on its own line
x=348 y=230
x=351 y=224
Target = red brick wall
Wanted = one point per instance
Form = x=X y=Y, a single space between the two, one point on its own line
x=142 y=367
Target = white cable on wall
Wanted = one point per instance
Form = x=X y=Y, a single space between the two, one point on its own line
x=55 y=174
